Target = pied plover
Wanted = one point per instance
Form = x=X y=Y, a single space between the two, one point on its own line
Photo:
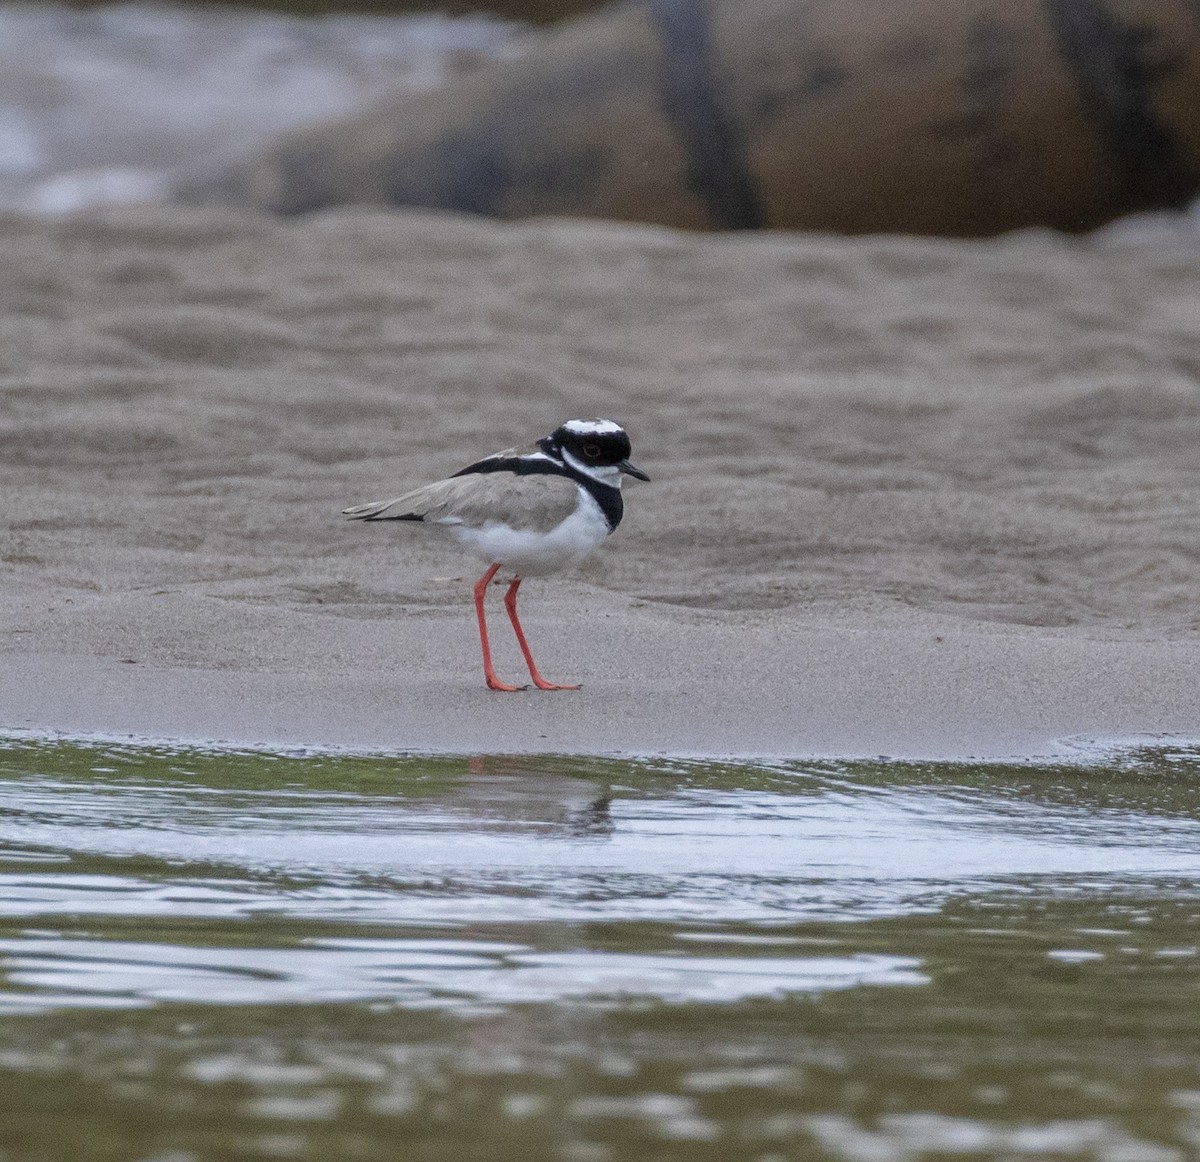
x=530 y=513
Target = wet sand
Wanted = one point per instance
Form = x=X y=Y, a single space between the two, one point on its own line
x=909 y=497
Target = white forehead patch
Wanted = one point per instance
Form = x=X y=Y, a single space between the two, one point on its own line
x=592 y=427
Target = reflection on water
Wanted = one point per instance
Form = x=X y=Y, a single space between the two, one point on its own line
x=252 y=956
x=422 y=973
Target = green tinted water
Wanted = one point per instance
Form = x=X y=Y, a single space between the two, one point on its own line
x=236 y=956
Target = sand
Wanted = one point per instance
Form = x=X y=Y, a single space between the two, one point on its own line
x=909 y=497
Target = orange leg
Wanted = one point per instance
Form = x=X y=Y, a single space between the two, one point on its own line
x=489 y=674
x=510 y=603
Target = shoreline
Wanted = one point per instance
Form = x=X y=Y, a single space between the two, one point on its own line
x=1084 y=752
x=662 y=682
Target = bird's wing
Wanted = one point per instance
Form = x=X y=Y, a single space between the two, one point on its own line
x=534 y=502
x=489 y=463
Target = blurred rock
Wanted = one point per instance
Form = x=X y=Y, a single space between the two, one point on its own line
x=952 y=117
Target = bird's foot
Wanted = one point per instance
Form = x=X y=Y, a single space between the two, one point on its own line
x=542 y=684
x=494 y=683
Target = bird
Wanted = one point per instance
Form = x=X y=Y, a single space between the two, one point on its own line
x=530 y=512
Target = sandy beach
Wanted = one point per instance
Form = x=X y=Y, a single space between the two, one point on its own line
x=909 y=497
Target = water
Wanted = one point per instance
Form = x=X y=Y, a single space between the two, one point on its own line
x=244 y=956
x=102 y=105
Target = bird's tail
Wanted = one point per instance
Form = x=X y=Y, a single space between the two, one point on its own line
x=381 y=510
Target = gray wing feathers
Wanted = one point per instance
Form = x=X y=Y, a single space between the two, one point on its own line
x=523 y=502
x=415 y=505
x=378 y=510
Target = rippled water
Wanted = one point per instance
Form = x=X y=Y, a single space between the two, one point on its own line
x=212 y=956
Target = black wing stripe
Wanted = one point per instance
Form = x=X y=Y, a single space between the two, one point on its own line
x=518 y=465
x=605 y=495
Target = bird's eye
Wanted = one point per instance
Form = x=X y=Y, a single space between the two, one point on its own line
x=592 y=450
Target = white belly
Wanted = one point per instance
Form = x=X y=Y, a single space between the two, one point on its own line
x=531 y=553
